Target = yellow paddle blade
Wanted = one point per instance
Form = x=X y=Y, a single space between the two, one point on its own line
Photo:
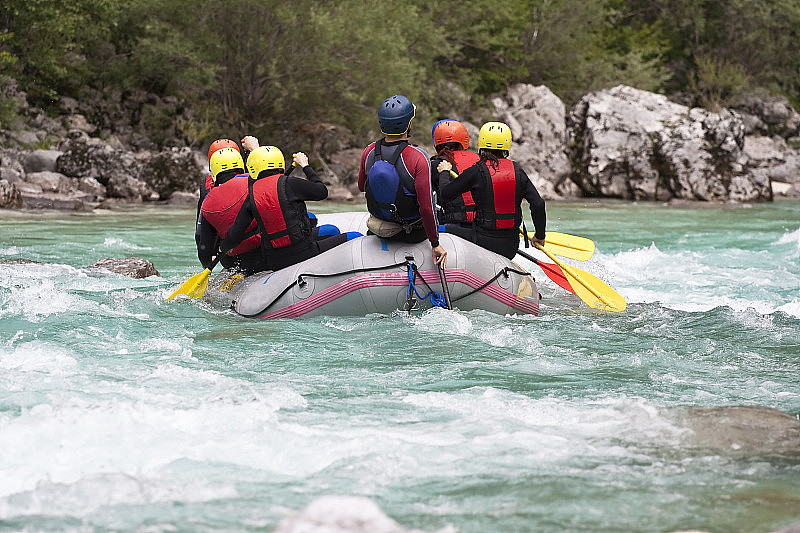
x=566 y=245
x=602 y=297
x=571 y=246
x=592 y=290
x=194 y=287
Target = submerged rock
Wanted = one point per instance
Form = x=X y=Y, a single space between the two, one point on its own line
x=746 y=429
x=343 y=514
x=134 y=267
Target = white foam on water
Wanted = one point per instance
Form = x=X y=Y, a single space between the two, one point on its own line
x=694 y=282
x=89 y=494
x=116 y=242
x=138 y=427
x=437 y=320
x=792 y=237
x=547 y=431
x=35 y=356
x=792 y=308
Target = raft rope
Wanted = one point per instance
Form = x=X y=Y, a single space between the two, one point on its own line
x=504 y=272
x=300 y=281
x=437 y=300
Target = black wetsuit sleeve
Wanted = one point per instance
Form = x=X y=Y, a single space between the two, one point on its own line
x=236 y=233
x=437 y=181
x=311 y=189
x=466 y=181
x=529 y=192
x=206 y=239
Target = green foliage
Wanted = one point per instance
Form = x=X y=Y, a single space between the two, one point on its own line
x=717 y=82
x=283 y=71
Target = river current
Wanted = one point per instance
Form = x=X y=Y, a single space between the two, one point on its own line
x=122 y=412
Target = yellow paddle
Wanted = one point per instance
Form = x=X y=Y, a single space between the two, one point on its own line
x=566 y=245
x=589 y=288
x=563 y=244
x=195 y=287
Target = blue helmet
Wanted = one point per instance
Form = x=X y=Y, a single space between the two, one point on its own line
x=395 y=115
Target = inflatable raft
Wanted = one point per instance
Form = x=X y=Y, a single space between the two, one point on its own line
x=372 y=275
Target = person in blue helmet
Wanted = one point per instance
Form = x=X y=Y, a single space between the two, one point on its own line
x=395 y=177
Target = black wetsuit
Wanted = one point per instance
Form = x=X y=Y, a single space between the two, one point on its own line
x=502 y=241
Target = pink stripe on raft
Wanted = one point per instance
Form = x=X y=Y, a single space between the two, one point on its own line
x=400 y=279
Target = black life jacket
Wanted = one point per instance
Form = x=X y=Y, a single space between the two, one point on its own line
x=501 y=209
x=390 y=196
x=461 y=209
x=281 y=222
x=206 y=187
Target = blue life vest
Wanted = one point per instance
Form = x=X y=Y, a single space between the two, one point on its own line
x=390 y=197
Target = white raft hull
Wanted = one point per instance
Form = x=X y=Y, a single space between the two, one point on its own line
x=370 y=275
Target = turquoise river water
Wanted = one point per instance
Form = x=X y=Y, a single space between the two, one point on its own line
x=122 y=412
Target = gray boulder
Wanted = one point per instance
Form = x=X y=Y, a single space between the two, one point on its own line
x=130 y=188
x=93 y=187
x=52 y=182
x=184 y=198
x=768 y=115
x=774 y=160
x=10 y=197
x=537 y=119
x=171 y=170
x=636 y=145
x=41 y=161
x=134 y=267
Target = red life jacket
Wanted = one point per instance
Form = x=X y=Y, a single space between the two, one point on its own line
x=462 y=209
x=282 y=223
x=220 y=207
x=504 y=211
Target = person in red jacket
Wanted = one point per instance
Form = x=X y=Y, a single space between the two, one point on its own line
x=275 y=205
x=219 y=209
x=451 y=139
x=395 y=177
x=498 y=186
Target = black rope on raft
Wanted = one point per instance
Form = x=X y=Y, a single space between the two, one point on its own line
x=504 y=272
x=300 y=282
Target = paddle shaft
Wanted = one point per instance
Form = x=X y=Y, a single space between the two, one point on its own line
x=445 y=289
x=557 y=277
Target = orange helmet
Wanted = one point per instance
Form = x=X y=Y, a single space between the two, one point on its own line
x=221 y=143
x=450 y=131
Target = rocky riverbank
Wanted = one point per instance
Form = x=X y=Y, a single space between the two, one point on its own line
x=616 y=143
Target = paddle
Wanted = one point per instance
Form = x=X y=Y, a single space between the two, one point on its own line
x=445 y=288
x=566 y=245
x=563 y=244
x=195 y=287
x=589 y=288
x=551 y=271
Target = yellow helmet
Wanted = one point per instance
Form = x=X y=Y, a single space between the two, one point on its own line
x=225 y=159
x=495 y=136
x=265 y=158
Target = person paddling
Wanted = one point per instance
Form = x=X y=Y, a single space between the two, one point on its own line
x=218 y=211
x=451 y=139
x=275 y=204
x=498 y=186
x=395 y=177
